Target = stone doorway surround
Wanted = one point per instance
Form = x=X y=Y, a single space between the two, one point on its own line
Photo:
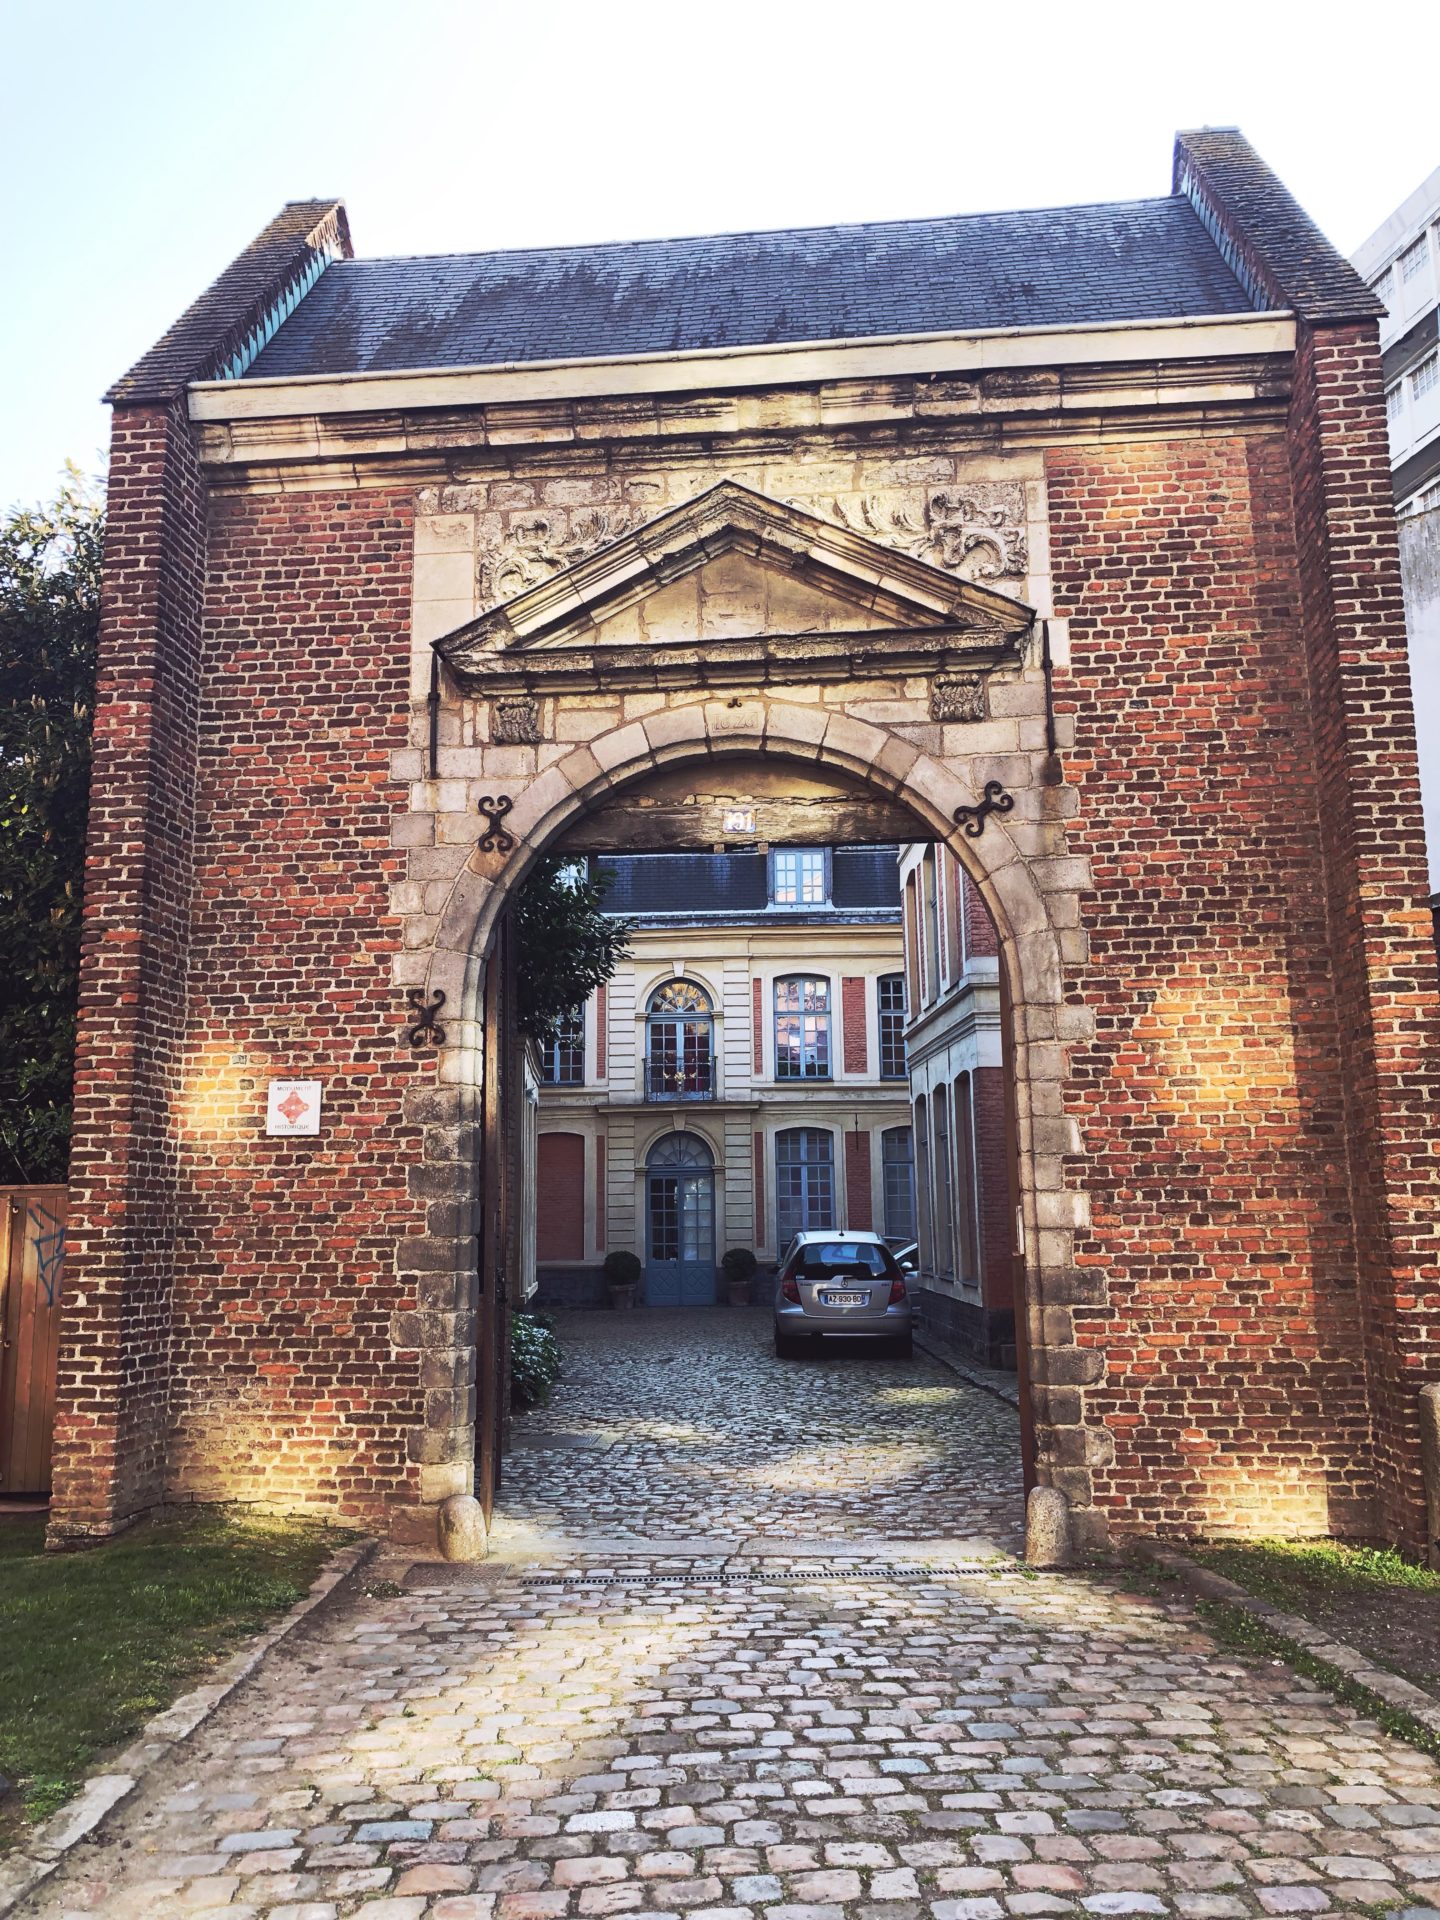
x=741 y=628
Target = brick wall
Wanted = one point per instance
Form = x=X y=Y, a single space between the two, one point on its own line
x=1372 y=844
x=115 y=1377
x=295 y=1275
x=1210 y=1101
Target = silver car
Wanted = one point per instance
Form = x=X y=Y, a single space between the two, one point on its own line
x=842 y=1286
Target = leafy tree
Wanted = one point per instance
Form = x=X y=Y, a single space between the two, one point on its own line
x=566 y=945
x=49 y=619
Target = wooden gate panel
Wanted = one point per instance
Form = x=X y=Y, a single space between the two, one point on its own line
x=31 y=1270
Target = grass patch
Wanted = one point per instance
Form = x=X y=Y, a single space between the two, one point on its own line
x=92 y=1644
x=1240 y=1631
x=1297 y=1574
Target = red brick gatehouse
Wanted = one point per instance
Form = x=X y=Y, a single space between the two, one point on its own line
x=1063 y=538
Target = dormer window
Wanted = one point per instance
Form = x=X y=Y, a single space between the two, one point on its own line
x=800 y=877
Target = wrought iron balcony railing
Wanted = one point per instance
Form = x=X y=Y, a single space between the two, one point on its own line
x=670 y=1080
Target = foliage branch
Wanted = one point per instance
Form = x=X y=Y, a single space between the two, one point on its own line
x=49 y=621
x=566 y=944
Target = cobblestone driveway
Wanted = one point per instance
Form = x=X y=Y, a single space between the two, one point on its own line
x=744 y=1738
x=689 y=1427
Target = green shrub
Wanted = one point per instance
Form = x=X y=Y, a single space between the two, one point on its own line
x=739 y=1265
x=534 y=1359
x=622 y=1268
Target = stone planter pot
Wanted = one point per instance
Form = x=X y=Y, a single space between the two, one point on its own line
x=737 y=1292
x=622 y=1298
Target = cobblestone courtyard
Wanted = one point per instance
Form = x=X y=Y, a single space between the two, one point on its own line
x=723 y=1729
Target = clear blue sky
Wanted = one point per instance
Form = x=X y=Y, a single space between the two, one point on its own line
x=144 y=141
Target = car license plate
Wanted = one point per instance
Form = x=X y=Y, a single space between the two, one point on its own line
x=843 y=1299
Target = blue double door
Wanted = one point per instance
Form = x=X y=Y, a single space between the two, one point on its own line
x=680 y=1224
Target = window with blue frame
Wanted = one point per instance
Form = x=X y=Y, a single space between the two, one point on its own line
x=802 y=1029
x=562 y=1060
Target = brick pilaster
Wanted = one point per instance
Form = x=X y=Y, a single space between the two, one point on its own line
x=114 y=1380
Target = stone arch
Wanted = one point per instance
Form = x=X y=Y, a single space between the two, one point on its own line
x=1031 y=890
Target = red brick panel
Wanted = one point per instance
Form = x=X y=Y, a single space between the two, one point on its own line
x=758 y=1028
x=997 y=1231
x=853 y=1025
x=858 y=1214
x=601 y=1032
x=560 y=1197
x=980 y=935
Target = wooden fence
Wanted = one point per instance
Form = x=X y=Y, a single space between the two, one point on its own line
x=32 y=1260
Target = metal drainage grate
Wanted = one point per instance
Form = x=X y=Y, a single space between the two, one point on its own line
x=429 y=1576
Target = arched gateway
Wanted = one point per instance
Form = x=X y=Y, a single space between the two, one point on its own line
x=1103 y=593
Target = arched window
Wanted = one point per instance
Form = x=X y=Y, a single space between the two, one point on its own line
x=891 y=996
x=679 y=1043
x=804 y=1181
x=802 y=1029
x=897 y=1161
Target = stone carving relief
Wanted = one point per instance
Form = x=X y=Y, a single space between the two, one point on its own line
x=976 y=530
x=537 y=545
x=515 y=722
x=957 y=696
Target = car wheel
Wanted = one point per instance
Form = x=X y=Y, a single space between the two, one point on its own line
x=785 y=1349
x=903 y=1347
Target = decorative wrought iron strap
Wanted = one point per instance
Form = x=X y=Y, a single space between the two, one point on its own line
x=427 y=1024
x=493 y=809
x=994 y=800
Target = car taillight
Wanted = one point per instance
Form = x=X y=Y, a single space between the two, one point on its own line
x=789 y=1290
x=897 y=1292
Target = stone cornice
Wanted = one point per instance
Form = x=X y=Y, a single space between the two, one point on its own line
x=777 y=659
x=784 y=364
x=1017 y=409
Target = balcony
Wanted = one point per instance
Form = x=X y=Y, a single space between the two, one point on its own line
x=676 y=1080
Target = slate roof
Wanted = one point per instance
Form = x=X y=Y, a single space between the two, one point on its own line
x=1130 y=260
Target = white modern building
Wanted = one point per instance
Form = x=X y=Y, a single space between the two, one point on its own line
x=1401 y=261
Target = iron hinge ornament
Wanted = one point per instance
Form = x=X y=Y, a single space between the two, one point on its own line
x=994 y=800
x=493 y=809
x=427 y=1026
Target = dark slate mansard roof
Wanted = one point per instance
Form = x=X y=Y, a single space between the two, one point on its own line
x=1065 y=266
x=1230 y=239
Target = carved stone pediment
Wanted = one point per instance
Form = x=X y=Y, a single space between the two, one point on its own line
x=733 y=576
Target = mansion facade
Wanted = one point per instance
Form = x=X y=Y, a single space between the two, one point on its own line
x=741 y=1076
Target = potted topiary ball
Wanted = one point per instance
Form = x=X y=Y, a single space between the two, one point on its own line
x=739 y=1267
x=622 y=1270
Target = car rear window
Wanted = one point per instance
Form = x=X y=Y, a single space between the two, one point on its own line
x=825 y=1257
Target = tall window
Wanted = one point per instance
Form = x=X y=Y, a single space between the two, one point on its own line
x=944 y=1204
x=897 y=1160
x=800 y=878
x=932 y=926
x=679 y=1051
x=804 y=1181
x=891 y=991
x=802 y=1029
x=562 y=1063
